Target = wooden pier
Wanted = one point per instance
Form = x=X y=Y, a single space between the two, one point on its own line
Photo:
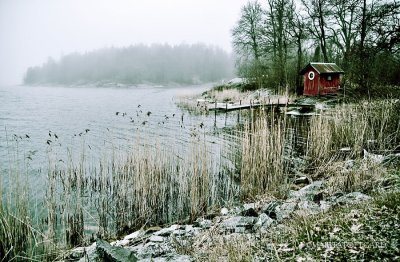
x=268 y=101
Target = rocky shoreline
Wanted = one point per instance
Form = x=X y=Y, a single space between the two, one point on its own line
x=187 y=242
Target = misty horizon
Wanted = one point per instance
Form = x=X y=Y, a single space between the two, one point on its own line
x=136 y=64
x=33 y=31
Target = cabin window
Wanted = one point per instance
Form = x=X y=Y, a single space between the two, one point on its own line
x=329 y=78
x=311 y=75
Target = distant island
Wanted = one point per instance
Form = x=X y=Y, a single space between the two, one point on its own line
x=160 y=64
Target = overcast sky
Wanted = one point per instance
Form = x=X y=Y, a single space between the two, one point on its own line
x=33 y=30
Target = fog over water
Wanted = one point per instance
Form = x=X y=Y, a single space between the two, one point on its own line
x=31 y=31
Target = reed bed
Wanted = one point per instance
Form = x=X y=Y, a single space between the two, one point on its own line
x=263 y=165
x=149 y=185
x=352 y=128
x=21 y=238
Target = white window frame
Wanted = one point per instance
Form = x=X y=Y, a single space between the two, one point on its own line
x=311 y=75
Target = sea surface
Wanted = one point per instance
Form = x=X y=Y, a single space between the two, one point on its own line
x=41 y=125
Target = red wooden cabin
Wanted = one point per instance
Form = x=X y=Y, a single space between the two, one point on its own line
x=321 y=78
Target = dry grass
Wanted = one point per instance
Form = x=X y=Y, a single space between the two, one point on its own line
x=374 y=126
x=228 y=95
x=361 y=232
x=146 y=187
x=153 y=185
x=21 y=238
x=262 y=168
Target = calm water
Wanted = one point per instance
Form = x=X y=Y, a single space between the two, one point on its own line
x=45 y=126
x=39 y=123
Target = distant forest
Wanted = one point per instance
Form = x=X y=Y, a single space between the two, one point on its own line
x=138 y=64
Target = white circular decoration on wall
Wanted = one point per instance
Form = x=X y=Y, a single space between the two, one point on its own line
x=311 y=75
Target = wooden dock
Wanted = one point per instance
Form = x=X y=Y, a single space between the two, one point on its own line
x=268 y=101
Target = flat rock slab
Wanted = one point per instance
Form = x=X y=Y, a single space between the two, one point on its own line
x=352 y=198
x=113 y=254
x=307 y=192
x=239 y=224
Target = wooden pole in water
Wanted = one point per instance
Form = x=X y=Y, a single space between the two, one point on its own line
x=215 y=112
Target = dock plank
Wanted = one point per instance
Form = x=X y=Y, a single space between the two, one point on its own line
x=269 y=101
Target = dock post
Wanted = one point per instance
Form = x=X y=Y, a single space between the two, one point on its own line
x=215 y=111
x=240 y=102
x=226 y=107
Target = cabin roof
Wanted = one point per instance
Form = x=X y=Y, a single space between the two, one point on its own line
x=323 y=68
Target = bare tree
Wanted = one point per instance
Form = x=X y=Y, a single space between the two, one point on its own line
x=247 y=34
x=344 y=29
x=318 y=14
x=385 y=26
x=279 y=19
x=379 y=32
x=297 y=32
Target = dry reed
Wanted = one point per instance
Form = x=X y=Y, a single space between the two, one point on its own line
x=153 y=185
x=262 y=168
x=348 y=130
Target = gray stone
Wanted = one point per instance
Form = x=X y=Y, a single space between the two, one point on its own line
x=270 y=209
x=152 y=250
x=325 y=205
x=352 y=198
x=249 y=213
x=121 y=243
x=263 y=221
x=114 y=254
x=308 y=207
x=203 y=223
x=307 y=192
x=167 y=231
x=77 y=253
x=156 y=239
x=224 y=211
x=373 y=158
x=90 y=254
x=179 y=232
x=169 y=258
x=301 y=180
x=285 y=210
x=349 y=164
x=192 y=231
x=249 y=206
x=239 y=224
x=239 y=230
x=249 y=210
x=134 y=235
